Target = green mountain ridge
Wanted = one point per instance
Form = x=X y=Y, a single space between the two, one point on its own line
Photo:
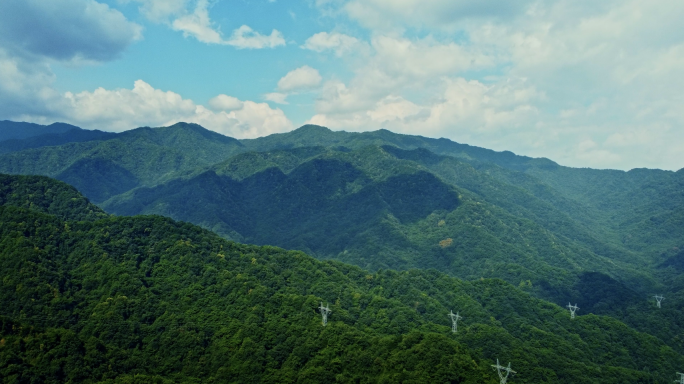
x=517 y=218
x=148 y=299
x=144 y=156
x=42 y=194
x=75 y=135
x=319 y=198
x=20 y=130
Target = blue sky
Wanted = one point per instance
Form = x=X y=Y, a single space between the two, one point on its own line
x=586 y=84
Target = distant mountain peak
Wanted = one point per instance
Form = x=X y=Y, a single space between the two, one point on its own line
x=22 y=130
x=312 y=128
x=181 y=131
x=63 y=126
x=183 y=124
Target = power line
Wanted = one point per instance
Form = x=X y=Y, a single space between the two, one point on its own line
x=658 y=298
x=325 y=311
x=501 y=369
x=573 y=309
x=454 y=321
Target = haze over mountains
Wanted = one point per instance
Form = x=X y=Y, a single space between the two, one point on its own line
x=608 y=240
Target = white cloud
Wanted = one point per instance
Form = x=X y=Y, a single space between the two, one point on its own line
x=65 y=30
x=225 y=103
x=21 y=83
x=590 y=152
x=35 y=34
x=123 y=109
x=245 y=37
x=336 y=98
x=337 y=42
x=199 y=25
x=298 y=79
x=535 y=77
x=253 y=120
x=465 y=108
x=276 y=97
x=426 y=57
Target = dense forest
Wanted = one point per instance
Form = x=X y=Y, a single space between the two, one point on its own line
x=513 y=238
x=90 y=297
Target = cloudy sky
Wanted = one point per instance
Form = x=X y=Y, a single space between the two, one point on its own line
x=585 y=83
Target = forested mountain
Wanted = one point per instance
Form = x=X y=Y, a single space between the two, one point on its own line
x=376 y=208
x=75 y=135
x=19 y=130
x=148 y=299
x=608 y=240
x=144 y=156
x=43 y=194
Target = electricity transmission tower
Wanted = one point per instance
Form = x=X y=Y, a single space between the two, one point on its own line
x=658 y=298
x=325 y=311
x=454 y=321
x=681 y=378
x=573 y=309
x=501 y=369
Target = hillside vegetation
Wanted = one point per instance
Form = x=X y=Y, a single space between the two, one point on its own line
x=105 y=168
x=19 y=130
x=607 y=240
x=149 y=299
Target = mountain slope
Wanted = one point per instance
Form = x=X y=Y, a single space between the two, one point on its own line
x=599 y=201
x=19 y=130
x=624 y=210
x=517 y=218
x=606 y=197
x=371 y=208
x=42 y=194
x=144 y=156
x=147 y=298
x=313 y=135
x=75 y=135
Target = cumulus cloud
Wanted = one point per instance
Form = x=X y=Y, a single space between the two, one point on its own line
x=143 y=105
x=252 y=120
x=21 y=83
x=199 y=25
x=426 y=57
x=541 y=78
x=35 y=34
x=225 y=103
x=337 y=42
x=465 y=108
x=276 y=97
x=299 y=79
x=65 y=30
x=245 y=37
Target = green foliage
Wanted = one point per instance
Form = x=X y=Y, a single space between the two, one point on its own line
x=42 y=194
x=384 y=200
x=11 y=130
x=382 y=208
x=144 y=156
x=150 y=300
x=75 y=135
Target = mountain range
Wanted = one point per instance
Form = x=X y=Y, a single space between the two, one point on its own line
x=96 y=298
x=607 y=240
